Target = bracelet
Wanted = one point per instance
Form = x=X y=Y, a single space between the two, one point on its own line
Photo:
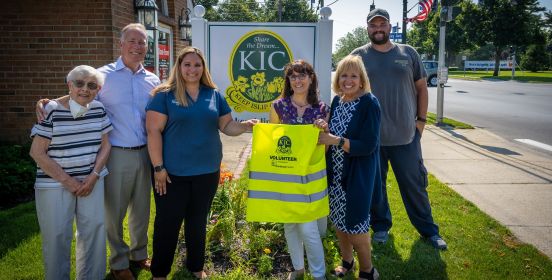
x=97 y=174
x=420 y=119
x=341 y=142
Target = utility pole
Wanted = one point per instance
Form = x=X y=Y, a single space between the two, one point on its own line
x=513 y=53
x=405 y=16
x=280 y=10
x=441 y=85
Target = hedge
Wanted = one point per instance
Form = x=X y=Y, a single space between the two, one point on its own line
x=17 y=175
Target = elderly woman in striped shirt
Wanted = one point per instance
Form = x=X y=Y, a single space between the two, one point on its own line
x=71 y=148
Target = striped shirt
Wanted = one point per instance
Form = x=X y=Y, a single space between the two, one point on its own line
x=74 y=143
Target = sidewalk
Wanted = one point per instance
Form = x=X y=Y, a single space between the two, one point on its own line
x=506 y=180
x=236 y=151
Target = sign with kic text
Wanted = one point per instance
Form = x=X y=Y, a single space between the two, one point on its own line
x=247 y=62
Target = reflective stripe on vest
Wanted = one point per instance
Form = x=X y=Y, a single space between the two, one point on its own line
x=287 y=178
x=286 y=197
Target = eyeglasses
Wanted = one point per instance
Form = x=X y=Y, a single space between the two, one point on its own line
x=301 y=77
x=89 y=85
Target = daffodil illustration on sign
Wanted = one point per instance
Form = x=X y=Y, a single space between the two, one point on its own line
x=256 y=70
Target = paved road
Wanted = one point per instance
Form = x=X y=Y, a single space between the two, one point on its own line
x=512 y=110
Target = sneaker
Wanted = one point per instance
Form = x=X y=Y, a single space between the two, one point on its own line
x=438 y=243
x=380 y=237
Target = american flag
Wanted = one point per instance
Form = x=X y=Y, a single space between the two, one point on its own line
x=425 y=6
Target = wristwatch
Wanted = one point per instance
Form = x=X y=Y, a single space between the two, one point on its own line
x=159 y=168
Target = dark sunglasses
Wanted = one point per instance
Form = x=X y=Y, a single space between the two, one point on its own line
x=89 y=85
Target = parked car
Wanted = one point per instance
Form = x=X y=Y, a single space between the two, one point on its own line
x=431 y=68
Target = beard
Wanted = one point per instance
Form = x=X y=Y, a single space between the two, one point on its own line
x=382 y=41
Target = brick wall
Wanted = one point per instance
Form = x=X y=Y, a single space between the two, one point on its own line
x=42 y=40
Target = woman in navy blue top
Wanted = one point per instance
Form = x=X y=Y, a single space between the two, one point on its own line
x=353 y=164
x=183 y=121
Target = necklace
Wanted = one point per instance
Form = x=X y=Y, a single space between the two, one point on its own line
x=299 y=119
x=300 y=106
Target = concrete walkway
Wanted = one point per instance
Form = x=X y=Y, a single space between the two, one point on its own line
x=509 y=181
x=236 y=152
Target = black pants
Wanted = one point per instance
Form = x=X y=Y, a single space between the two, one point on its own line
x=411 y=175
x=188 y=198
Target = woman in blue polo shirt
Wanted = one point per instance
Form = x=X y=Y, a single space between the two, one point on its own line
x=183 y=121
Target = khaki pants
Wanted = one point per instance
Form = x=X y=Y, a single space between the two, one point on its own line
x=56 y=210
x=127 y=187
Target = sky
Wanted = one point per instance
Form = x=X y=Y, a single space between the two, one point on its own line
x=349 y=14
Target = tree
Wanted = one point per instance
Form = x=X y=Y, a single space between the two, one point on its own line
x=420 y=37
x=210 y=12
x=548 y=25
x=292 y=11
x=535 y=58
x=240 y=11
x=424 y=36
x=346 y=44
x=503 y=23
x=252 y=11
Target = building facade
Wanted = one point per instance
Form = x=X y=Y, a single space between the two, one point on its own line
x=42 y=40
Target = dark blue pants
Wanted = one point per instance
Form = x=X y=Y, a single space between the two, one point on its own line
x=411 y=176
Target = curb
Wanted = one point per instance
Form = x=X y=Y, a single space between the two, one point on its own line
x=244 y=157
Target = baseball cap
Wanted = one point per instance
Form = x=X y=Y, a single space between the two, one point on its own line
x=377 y=13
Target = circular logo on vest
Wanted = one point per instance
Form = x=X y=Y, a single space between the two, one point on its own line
x=256 y=69
x=284 y=145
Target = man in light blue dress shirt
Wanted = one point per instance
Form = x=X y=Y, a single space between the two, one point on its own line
x=125 y=94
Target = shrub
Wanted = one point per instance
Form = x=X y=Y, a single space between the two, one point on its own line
x=535 y=58
x=17 y=173
x=231 y=239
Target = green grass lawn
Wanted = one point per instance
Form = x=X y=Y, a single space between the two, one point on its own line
x=432 y=119
x=479 y=247
x=522 y=76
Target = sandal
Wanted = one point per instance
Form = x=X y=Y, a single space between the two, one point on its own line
x=345 y=265
x=372 y=275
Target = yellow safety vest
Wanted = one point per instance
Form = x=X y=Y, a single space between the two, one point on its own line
x=287 y=177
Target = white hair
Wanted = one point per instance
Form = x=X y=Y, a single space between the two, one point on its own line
x=85 y=71
x=133 y=26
